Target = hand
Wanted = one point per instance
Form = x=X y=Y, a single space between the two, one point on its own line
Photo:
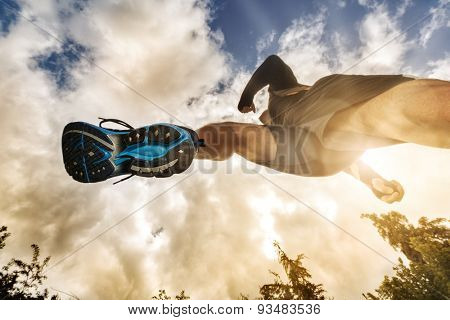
x=246 y=109
x=387 y=191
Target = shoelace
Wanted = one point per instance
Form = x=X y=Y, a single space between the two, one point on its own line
x=123 y=179
x=122 y=123
x=117 y=121
x=199 y=142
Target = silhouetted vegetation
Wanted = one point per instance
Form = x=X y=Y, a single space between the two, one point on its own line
x=20 y=280
x=427 y=275
x=297 y=285
x=163 y=296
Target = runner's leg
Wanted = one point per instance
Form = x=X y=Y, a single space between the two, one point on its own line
x=415 y=111
x=251 y=141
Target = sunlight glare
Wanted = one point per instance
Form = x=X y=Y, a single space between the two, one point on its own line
x=326 y=206
x=264 y=205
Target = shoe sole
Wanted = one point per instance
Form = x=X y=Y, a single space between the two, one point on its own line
x=93 y=154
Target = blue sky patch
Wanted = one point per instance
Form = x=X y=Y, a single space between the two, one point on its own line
x=59 y=64
x=9 y=12
x=243 y=23
x=79 y=4
x=72 y=7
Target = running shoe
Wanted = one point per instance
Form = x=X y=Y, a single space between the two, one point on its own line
x=94 y=153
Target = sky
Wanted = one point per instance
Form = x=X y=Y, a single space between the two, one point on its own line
x=208 y=231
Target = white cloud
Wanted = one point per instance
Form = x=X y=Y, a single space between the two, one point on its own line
x=167 y=51
x=368 y=3
x=402 y=7
x=302 y=48
x=439 y=18
x=440 y=69
x=265 y=41
x=378 y=28
x=311 y=55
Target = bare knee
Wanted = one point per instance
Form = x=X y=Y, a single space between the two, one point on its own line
x=219 y=141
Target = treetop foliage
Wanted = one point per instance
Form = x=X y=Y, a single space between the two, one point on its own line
x=426 y=246
x=20 y=280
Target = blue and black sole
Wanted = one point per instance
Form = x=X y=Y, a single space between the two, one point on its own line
x=93 y=154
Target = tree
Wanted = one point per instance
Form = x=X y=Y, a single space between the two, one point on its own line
x=20 y=280
x=427 y=276
x=3 y=235
x=162 y=295
x=298 y=285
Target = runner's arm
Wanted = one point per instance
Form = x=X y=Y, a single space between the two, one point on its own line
x=274 y=72
x=387 y=191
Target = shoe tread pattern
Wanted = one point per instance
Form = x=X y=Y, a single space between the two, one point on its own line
x=86 y=159
x=165 y=135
